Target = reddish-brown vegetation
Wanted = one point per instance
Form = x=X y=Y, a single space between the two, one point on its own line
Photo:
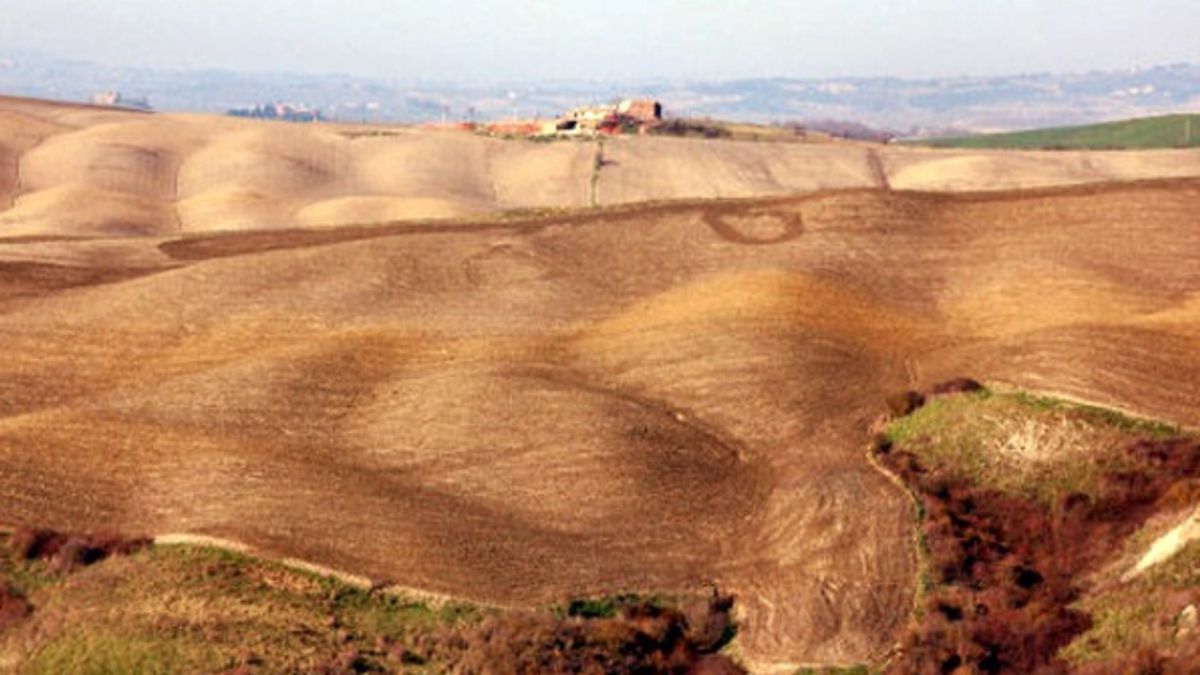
x=955 y=386
x=63 y=553
x=1007 y=568
x=68 y=552
x=642 y=638
x=905 y=403
x=13 y=606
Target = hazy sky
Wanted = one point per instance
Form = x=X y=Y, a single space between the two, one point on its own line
x=611 y=39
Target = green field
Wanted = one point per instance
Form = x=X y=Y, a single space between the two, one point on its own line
x=1170 y=131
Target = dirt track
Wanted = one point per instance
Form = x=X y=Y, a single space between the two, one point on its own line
x=654 y=397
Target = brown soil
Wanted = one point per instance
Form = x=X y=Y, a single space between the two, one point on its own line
x=520 y=412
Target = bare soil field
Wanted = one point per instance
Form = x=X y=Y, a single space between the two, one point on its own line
x=74 y=170
x=650 y=398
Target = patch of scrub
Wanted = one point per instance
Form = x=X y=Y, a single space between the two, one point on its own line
x=1025 y=499
x=1023 y=444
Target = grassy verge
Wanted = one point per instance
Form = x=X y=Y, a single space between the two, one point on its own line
x=185 y=609
x=194 y=609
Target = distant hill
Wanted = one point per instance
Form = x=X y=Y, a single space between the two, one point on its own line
x=913 y=107
x=1168 y=131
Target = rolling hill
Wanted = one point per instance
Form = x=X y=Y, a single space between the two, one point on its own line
x=1168 y=131
x=97 y=172
x=514 y=411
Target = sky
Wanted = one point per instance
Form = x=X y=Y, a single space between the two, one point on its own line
x=506 y=40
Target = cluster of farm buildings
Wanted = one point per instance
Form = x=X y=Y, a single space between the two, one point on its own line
x=631 y=115
x=626 y=116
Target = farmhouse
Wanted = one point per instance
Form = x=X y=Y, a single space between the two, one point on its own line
x=115 y=99
x=609 y=119
x=641 y=110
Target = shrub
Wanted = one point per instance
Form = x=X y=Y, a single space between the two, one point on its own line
x=66 y=552
x=690 y=128
x=13 y=606
x=643 y=637
x=957 y=385
x=905 y=403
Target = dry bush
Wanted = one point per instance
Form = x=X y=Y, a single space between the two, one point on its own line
x=13 y=606
x=1181 y=495
x=905 y=403
x=66 y=552
x=691 y=128
x=350 y=659
x=956 y=386
x=644 y=638
x=36 y=544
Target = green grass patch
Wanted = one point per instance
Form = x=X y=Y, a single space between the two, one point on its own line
x=1169 y=131
x=198 y=609
x=396 y=617
x=597 y=608
x=1031 y=446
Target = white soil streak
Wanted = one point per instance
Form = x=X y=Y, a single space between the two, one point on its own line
x=1168 y=545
